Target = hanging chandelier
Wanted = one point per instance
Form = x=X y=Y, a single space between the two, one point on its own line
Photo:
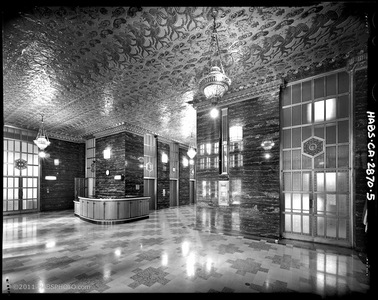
x=42 y=140
x=192 y=150
x=216 y=83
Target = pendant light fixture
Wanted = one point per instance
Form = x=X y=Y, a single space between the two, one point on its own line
x=42 y=140
x=192 y=150
x=215 y=84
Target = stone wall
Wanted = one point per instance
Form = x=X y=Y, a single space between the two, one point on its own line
x=258 y=213
x=134 y=151
x=184 y=174
x=360 y=155
x=163 y=177
x=59 y=194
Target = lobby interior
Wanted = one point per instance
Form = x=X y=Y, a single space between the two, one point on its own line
x=139 y=188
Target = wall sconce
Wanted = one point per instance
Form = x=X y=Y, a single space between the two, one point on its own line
x=214 y=113
x=50 y=177
x=119 y=177
x=267 y=145
x=56 y=162
x=267 y=155
x=164 y=158
x=107 y=153
x=185 y=162
x=191 y=162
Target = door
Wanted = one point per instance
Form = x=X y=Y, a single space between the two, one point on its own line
x=316 y=160
x=20 y=176
x=149 y=191
x=191 y=191
x=173 y=197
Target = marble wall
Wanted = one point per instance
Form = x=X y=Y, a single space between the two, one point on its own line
x=258 y=188
x=59 y=194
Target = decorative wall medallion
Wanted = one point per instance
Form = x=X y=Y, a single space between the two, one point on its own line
x=20 y=164
x=313 y=146
x=107 y=172
x=149 y=167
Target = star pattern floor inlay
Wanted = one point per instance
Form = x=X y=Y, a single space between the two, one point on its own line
x=57 y=252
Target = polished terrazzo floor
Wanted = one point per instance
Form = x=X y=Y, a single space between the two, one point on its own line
x=57 y=252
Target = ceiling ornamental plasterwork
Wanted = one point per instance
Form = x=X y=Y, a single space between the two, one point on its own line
x=91 y=69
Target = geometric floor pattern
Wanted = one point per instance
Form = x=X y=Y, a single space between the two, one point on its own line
x=56 y=252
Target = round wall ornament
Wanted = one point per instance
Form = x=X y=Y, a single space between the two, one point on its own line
x=20 y=164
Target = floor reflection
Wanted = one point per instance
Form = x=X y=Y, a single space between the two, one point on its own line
x=169 y=252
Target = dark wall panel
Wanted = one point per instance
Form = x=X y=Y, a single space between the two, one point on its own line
x=134 y=152
x=163 y=176
x=59 y=194
x=184 y=175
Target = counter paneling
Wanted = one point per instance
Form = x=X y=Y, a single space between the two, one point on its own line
x=111 y=211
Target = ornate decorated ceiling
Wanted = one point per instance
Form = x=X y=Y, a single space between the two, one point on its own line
x=90 y=69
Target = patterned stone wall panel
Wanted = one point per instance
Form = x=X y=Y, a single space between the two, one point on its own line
x=134 y=150
x=360 y=155
x=184 y=174
x=59 y=194
x=162 y=177
x=106 y=185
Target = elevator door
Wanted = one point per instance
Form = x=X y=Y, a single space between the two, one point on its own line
x=173 y=197
x=316 y=160
x=149 y=191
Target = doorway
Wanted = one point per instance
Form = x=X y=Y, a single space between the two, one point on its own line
x=20 y=176
x=316 y=180
x=191 y=191
x=173 y=193
x=149 y=191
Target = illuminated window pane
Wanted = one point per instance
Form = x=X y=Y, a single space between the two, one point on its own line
x=306 y=224
x=319 y=182
x=319 y=111
x=236 y=133
x=331 y=204
x=216 y=148
x=330 y=181
x=320 y=203
x=297 y=223
x=306 y=182
x=297 y=202
x=202 y=149
x=306 y=203
x=287 y=222
x=331 y=109
x=320 y=227
x=288 y=201
x=208 y=148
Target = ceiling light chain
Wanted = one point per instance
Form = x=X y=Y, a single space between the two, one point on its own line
x=215 y=84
